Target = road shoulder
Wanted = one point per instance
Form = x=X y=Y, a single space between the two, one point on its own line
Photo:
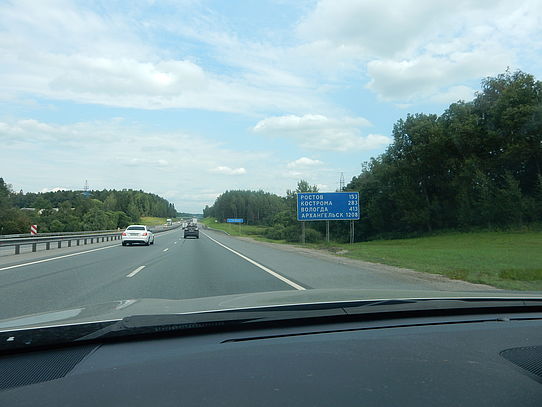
x=454 y=285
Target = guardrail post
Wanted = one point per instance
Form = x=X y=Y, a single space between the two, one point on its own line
x=85 y=241
x=59 y=244
x=17 y=249
x=69 y=243
x=91 y=240
x=78 y=242
x=34 y=247
x=47 y=245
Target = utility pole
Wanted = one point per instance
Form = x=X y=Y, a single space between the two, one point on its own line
x=341 y=183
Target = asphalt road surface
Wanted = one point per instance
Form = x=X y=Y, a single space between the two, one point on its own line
x=174 y=268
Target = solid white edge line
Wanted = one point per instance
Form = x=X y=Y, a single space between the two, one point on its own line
x=137 y=270
x=267 y=270
x=58 y=257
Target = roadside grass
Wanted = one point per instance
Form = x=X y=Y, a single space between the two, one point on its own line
x=235 y=229
x=509 y=260
x=152 y=221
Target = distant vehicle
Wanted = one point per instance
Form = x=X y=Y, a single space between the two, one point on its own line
x=191 y=230
x=169 y=222
x=137 y=234
x=195 y=221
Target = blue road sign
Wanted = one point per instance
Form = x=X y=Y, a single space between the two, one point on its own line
x=327 y=206
x=235 y=220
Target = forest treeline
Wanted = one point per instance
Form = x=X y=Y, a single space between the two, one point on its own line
x=67 y=211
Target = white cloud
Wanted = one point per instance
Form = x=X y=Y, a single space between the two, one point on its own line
x=322 y=187
x=322 y=133
x=454 y=94
x=424 y=51
x=304 y=162
x=119 y=154
x=370 y=27
x=307 y=122
x=228 y=171
x=425 y=76
x=147 y=162
x=61 y=51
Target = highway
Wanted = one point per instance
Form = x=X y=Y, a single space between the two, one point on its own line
x=177 y=268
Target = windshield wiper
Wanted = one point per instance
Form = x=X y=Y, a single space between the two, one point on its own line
x=163 y=323
x=347 y=311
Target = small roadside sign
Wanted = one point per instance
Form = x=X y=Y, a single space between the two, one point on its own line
x=33 y=230
x=235 y=220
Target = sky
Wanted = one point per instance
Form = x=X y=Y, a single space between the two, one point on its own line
x=189 y=98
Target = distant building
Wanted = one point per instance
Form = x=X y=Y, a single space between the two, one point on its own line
x=40 y=211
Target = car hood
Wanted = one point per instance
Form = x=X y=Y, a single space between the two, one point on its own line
x=116 y=310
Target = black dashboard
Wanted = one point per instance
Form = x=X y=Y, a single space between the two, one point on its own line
x=488 y=360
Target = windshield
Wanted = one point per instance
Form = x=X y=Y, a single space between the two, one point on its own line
x=280 y=152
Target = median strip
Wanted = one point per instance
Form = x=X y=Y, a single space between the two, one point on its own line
x=267 y=270
x=137 y=270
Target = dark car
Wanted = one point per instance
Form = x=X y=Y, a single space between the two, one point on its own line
x=192 y=231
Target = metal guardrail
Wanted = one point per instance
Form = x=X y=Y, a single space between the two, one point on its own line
x=78 y=239
x=83 y=232
x=81 y=238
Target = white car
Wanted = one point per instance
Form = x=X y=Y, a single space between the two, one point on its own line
x=137 y=234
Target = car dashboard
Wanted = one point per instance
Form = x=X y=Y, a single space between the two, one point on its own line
x=473 y=360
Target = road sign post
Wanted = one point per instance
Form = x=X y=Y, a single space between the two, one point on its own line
x=315 y=206
x=236 y=220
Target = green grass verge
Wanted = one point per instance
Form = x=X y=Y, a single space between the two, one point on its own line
x=501 y=259
x=235 y=229
x=152 y=221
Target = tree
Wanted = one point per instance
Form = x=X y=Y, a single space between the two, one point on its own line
x=104 y=210
x=478 y=164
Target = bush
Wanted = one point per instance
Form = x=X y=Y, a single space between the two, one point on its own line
x=276 y=232
x=292 y=233
x=56 y=226
x=312 y=236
